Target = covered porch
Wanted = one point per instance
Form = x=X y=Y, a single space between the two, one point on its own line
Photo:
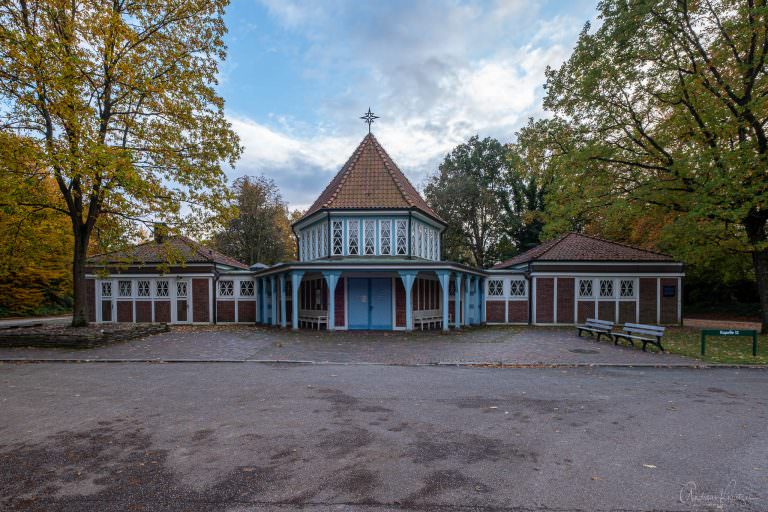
x=387 y=297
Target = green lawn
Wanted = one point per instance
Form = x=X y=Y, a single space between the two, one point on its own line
x=686 y=341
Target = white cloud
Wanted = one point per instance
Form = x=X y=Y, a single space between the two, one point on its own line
x=436 y=73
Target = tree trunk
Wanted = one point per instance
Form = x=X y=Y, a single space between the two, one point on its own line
x=79 y=260
x=760 y=261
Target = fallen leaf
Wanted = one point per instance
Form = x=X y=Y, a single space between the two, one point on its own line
x=649 y=466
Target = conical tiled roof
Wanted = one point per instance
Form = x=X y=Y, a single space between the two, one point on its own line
x=370 y=180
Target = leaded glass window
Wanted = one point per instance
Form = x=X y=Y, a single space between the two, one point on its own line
x=627 y=288
x=161 y=288
x=106 y=289
x=124 y=288
x=606 y=287
x=517 y=288
x=226 y=288
x=246 y=289
x=353 y=247
x=337 y=227
x=143 y=288
x=402 y=236
x=385 y=238
x=585 y=288
x=181 y=289
x=369 y=227
x=495 y=287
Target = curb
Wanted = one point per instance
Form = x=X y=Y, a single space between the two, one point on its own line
x=490 y=365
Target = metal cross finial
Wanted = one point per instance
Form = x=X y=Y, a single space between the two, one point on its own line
x=368 y=117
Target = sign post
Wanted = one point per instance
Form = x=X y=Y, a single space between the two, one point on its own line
x=728 y=333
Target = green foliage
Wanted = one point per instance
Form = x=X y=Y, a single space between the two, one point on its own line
x=491 y=207
x=663 y=110
x=261 y=231
x=116 y=102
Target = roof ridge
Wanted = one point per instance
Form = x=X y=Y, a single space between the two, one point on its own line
x=628 y=246
x=554 y=242
x=387 y=159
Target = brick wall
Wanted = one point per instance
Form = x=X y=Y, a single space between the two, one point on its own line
x=669 y=304
x=143 y=311
x=339 y=303
x=518 y=311
x=225 y=311
x=399 y=303
x=494 y=311
x=647 y=300
x=181 y=310
x=124 y=311
x=106 y=310
x=627 y=312
x=200 y=300
x=545 y=296
x=246 y=311
x=565 y=300
x=606 y=310
x=90 y=298
x=586 y=309
x=162 y=311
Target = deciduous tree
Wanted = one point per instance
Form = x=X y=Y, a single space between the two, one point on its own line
x=115 y=101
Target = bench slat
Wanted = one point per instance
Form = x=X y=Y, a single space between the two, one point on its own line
x=646 y=327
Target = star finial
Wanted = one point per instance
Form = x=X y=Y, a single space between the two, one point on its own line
x=368 y=117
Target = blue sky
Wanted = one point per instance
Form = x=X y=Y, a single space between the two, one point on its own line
x=300 y=74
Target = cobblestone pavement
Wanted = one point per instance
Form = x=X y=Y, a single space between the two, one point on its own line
x=509 y=345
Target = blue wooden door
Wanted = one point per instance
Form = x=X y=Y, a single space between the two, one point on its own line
x=370 y=303
x=381 y=303
x=358 y=303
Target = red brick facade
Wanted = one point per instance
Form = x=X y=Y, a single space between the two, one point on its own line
x=565 y=300
x=143 y=311
x=545 y=296
x=124 y=311
x=163 y=311
x=106 y=310
x=181 y=310
x=669 y=304
x=648 y=300
x=586 y=309
x=494 y=311
x=399 y=303
x=200 y=301
x=225 y=311
x=606 y=310
x=246 y=311
x=627 y=312
x=339 y=303
x=518 y=311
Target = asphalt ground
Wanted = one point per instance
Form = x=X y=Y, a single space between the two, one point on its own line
x=247 y=436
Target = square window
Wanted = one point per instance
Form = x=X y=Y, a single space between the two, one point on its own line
x=181 y=289
x=606 y=287
x=143 y=289
x=246 y=289
x=161 y=288
x=585 y=288
x=124 y=288
x=495 y=287
x=517 y=288
x=106 y=288
x=226 y=289
x=627 y=288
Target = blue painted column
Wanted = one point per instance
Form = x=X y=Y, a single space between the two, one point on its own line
x=466 y=299
x=283 y=320
x=331 y=279
x=296 y=276
x=457 y=301
x=260 y=291
x=272 y=309
x=408 y=277
x=482 y=300
x=476 y=300
x=445 y=277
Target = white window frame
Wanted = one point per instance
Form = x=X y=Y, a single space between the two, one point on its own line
x=610 y=284
x=631 y=283
x=591 y=283
x=518 y=284
x=353 y=234
x=495 y=288
x=106 y=286
x=222 y=287
x=369 y=237
x=401 y=235
x=180 y=295
x=148 y=288
x=244 y=284
x=337 y=231
x=385 y=240
x=167 y=290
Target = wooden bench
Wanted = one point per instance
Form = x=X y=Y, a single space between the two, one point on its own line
x=596 y=327
x=314 y=317
x=427 y=317
x=641 y=332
